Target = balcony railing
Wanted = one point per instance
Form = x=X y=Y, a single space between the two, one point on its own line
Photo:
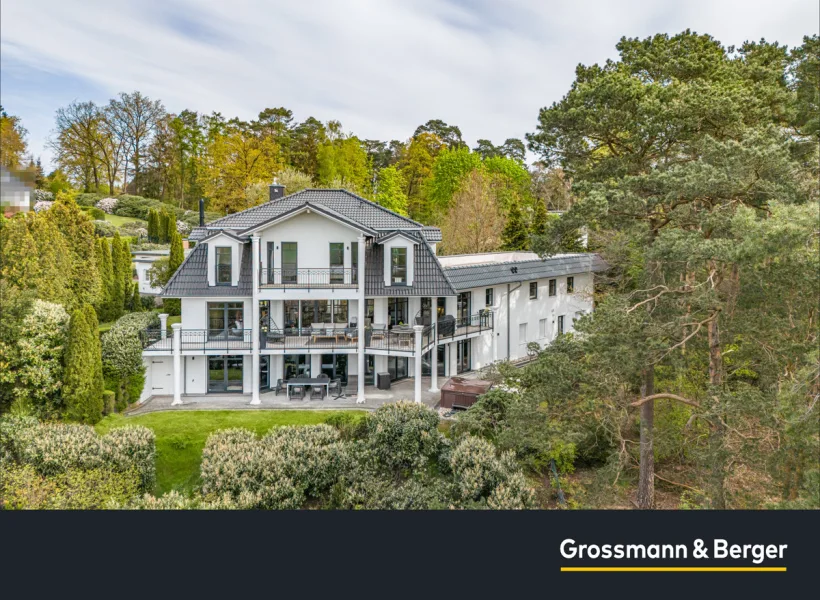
x=332 y=277
x=477 y=323
x=225 y=340
x=294 y=338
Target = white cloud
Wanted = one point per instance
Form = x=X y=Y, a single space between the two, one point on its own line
x=381 y=67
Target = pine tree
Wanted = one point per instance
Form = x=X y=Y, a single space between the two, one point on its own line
x=539 y=218
x=516 y=233
x=117 y=287
x=162 y=233
x=82 y=388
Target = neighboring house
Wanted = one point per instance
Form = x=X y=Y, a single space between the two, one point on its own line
x=142 y=261
x=15 y=196
x=326 y=282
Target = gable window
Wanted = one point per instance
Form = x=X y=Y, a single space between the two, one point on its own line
x=552 y=287
x=533 y=290
x=398 y=266
x=337 y=262
x=570 y=285
x=223 y=265
x=561 y=325
x=488 y=297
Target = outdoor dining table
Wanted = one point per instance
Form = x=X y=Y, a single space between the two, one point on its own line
x=308 y=381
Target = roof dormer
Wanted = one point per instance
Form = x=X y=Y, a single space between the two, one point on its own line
x=224 y=253
x=399 y=259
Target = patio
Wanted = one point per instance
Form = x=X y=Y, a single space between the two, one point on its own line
x=400 y=390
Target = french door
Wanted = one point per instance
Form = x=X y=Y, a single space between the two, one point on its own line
x=225 y=374
x=335 y=366
x=463 y=356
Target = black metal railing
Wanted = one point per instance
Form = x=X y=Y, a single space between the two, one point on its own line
x=197 y=339
x=397 y=339
x=428 y=336
x=308 y=278
x=326 y=338
x=477 y=323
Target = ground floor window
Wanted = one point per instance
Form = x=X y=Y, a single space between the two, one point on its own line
x=335 y=366
x=225 y=374
x=464 y=356
x=296 y=365
x=370 y=370
x=397 y=366
x=426 y=367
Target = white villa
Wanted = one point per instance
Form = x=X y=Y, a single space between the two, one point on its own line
x=323 y=285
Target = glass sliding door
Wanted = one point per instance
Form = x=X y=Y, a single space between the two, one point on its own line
x=290 y=260
x=271 y=254
x=296 y=365
x=337 y=262
x=397 y=366
x=464 y=356
x=426 y=311
x=335 y=366
x=225 y=374
x=397 y=309
x=370 y=370
x=291 y=314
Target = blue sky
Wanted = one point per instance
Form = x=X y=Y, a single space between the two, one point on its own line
x=381 y=67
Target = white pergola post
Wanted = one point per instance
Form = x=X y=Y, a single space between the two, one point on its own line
x=360 y=323
x=163 y=326
x=177 y=327
x=434 y=351
x=255 y=328
x=418 y=329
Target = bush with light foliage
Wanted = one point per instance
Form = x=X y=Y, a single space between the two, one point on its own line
x=107 y=205
x=403 y=436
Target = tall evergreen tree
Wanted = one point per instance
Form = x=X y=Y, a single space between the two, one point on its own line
x=117 y=286
x=126 y=272
x=105 y=307
x=173 y=305
x=516 y=233
x=152 y=226
x=82 y=388
x=54 y=258
x=19 y=266
x=136 y=300
x=539 y=217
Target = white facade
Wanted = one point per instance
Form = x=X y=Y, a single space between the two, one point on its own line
x=313 y=315
x=142 y=261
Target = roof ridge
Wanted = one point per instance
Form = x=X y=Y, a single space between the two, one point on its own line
x=520 y=262
x=375 y=204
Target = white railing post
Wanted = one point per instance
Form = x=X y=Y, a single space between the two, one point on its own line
x=418 y=329
x=434 y=351
x=360 y=322
x=177 y=328
x=255 y=325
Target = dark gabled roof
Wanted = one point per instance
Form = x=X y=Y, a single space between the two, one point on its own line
x=428 y=277
x=479 y=275
x=191 y=279
x=391 y=234
x=355 y=208
x=319 y=208
x=431 y=234
x=227 y=232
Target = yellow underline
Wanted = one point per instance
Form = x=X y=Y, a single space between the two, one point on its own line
x=677 y=569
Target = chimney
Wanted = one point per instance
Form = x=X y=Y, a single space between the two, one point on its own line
x=276 y=190
x=202 y=212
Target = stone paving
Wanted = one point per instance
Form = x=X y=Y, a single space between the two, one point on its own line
x=401 y=390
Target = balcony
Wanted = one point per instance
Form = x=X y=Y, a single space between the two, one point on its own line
x=307 y=338
x=450 y=328
x=210 y=340
x=332 y=277
x=398 y=339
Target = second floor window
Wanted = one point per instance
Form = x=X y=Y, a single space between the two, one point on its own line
x=552 y=287
x=533 y=290
x=488 y=297
x=223 y=265
x=398 y=266
x=570 y=285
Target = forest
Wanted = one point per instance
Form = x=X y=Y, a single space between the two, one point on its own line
x=693 y=169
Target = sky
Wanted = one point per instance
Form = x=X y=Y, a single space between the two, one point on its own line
x=381 y=67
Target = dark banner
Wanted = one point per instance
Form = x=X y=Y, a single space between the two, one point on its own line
x=693 y=554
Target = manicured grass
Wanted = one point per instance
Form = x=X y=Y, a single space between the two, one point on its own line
x=119 y=221
x=181 y=436
x=105 y=327
x=174 y=319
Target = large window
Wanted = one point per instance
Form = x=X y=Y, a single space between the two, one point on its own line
x=488 y=297
x=533 y=290
x=271 y=261
x=290 y=260
x=397 y=311
x=223 y=265
x=296 y=365
x=463 y=356
x=354 y=261
x=225 y=319
x=552 y=287
x=337 y=262
x=463 y=306
x=304 y=313
x=398 y=266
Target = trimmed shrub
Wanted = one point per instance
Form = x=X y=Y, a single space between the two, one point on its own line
x=403 y=435
x=280 y=471
x=88 y=199
x=104 y=229
x=53 y=448
x=82 y=387
x=24 y=488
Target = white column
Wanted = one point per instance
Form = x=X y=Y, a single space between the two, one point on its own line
x=434 y=351
x=163 y=326
x=453 y=358
x=360 y=323
x=255 y=333
x=418 y=329
x=177 y=327
x=494 y=314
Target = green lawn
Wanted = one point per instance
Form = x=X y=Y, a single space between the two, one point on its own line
x=181 y=436
x=119 y=221
x=173 y=319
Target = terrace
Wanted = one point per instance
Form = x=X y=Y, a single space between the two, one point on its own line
x=333 y=277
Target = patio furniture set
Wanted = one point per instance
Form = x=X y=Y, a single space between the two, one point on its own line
x=320 y=387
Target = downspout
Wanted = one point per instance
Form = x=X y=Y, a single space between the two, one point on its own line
x=508 y=316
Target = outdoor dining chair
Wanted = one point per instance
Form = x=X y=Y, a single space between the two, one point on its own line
x=317 y=392
x=297 y=392
x=335 y=388
x=280 y=387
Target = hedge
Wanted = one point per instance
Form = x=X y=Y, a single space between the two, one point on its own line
x=54 y=448
x=23 y=488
